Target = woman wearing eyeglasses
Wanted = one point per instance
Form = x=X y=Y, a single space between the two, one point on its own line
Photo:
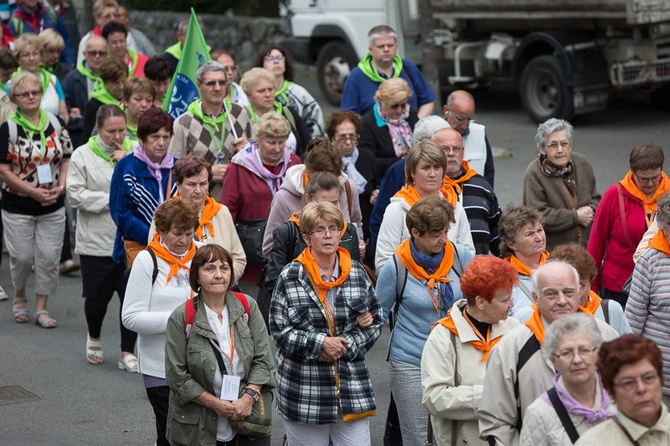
x=571 y=345
x=388 y=128
x=624 y=214
x=561 y=185
x=276 y=59
x=632 y=373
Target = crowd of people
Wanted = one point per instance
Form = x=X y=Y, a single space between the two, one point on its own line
x=540 y=324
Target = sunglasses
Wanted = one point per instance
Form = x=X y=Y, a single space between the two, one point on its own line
x=399 y=105
x=212 y=84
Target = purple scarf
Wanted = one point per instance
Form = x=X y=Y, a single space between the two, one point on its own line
x=401 y=133
x=251 y=160
x=155 y=168
x=573 y=407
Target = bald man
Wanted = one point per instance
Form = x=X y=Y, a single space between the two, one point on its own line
x=474 y=193
x=459 y=111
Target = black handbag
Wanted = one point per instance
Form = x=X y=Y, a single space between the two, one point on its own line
x=251 y=234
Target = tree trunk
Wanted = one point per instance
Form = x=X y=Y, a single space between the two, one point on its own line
x=87 y=19
x=429 y=67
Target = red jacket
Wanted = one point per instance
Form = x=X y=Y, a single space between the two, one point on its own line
x=608 y=244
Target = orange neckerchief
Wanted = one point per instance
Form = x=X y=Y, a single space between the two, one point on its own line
x=164 y=254
x=295 y=218
x=484 y=344
x=451 y=190
x=469 y=173
x=628 y=183
x=592 y=302
x=208 y=212
x=660 y=243
x=411 y=195
x=535 y=321
x=312 y=268
x=521 y=267
x=305 y=180
x=440 y=275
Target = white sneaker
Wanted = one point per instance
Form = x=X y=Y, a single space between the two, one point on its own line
x=3 y=295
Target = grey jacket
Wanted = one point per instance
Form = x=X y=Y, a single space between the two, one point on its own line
x=191 y=366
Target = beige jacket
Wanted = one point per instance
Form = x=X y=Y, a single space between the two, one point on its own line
x=224 y=235
x=608 y=433
x=446 y=402
x=498 y=414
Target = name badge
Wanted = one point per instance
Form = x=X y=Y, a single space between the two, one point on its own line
x=230 y=388
x=44 y=174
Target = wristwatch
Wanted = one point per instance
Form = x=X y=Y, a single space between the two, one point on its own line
x=251 y=392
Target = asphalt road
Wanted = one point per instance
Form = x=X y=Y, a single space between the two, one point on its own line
x=75 y=403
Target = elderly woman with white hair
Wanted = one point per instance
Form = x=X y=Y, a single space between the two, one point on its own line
x=561 y=185
x=578 y=399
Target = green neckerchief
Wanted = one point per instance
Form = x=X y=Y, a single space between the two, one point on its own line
x=368 y=68
x=133 y=57
x=281 y=94
x=49 y=69
x=86 y=72
x=175 y=50
x=31 y=128
x=213 y=126
x=101 y=94
x=45 y=77
x=131 y=132
x=93 y=144
x=278 y=108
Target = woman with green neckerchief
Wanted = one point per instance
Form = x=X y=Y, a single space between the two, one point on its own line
x=276 y=59
x=138 y=96
x=35 y=153
x=88 y=185
x=107 y=90
x=259 y=86
x=28 y=52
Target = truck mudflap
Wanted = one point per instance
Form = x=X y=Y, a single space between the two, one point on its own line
x=590 y=99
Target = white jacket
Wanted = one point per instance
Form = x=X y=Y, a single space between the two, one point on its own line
x=475 y=147
x=442 y=398
x=88 y=183
x=393 y=230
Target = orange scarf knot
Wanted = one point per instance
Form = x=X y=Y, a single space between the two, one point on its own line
x=537 y=327
x=659 y=242
x=171 y=260
x=411 y=195
x=314 y=273
x=469 y=173
x=521 y=267
x=208 y=212
x=628 y=183
x=485 y=343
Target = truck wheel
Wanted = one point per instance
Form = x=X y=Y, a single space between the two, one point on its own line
x=333 y=65
x=661 y=97
x=544 y=91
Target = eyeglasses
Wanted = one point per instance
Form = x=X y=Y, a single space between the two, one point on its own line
x=321 y=232
x=25 y=94
x=455 y=149
x=212 y=84
x=346 y=137
x=274 y=58
x=568 y=355
x=554 y=145
x=34 y=54
x=629 y=384
x=398 y=105
x=96 y=53
x=646 y=180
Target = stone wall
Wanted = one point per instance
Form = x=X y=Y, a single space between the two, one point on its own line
x=241 y=35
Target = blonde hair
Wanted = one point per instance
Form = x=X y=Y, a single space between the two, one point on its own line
x=271 y=125
x=51 y=40
x=427 y=150
x=100 y=5
x=393 y=91
x=251 y=78
x=313 y=213
x=22 y=78
x=25 y=40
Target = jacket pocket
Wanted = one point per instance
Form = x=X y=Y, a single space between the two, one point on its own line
x=300 y=318
x=184 y=427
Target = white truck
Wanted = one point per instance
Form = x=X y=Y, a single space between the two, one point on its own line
x=565 y=55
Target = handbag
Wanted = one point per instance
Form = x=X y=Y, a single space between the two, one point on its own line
x=251 y=234
x=259 y=423
x=131 y=248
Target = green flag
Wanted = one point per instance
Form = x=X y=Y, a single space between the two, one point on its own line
x=183 y=86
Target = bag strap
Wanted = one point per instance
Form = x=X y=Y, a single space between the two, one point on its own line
x=347 y=188
x=245 y=303
x=531 y=347
x=525 y=290
x=622 y=212
x=563 y=415
x=604 y=304
x=219 y=358
x=55 y=123
x=189 y=316
x=454 y=423
x=168 y=188
x=457 y=266
x=625 y=431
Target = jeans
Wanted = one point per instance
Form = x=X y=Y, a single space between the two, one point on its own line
x=406 y=384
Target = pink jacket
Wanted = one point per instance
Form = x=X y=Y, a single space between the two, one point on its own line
x=608 y=244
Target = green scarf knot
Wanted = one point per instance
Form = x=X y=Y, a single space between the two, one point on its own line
x=368 y=68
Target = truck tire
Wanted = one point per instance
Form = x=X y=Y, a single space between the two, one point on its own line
x=333 y=65
x=544 y=92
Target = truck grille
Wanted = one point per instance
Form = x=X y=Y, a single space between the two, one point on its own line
x=636 y=73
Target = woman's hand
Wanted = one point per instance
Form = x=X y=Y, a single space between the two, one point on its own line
x=333 y=348
x=119 y=152
x=239 y=144
x=224 y=409
x=585 y=215
x=373 y=196
x=361 y=248
x=75 y=113
x=365 y=319
x=242 y=407
x=47 y=197
x=217 y=172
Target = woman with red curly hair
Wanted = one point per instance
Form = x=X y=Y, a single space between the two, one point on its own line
x=453 y=363
x=632 y=372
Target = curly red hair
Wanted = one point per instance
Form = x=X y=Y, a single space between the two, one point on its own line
x=486 y=274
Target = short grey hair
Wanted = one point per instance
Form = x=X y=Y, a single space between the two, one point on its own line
x=210 y=66
x=182 y=28
x=381 y=31
x=426 y=127
x=22 y=78
x=536 y=274
x=663 y=211
x=252 y=77
x=570 y=324
x=550 y=126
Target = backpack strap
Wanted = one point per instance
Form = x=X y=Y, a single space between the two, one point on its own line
x=55 y=123
x=347 y=189
x=245 y=303
x=189 y=316
x=457 y=266
x=605 y=305
x=531 y=347
x=13 y=132
x=454 y=423
x=563 y=415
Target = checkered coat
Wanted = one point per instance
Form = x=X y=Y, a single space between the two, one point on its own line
x=305 y=386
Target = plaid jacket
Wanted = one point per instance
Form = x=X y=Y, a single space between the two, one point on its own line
x=306 y=387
